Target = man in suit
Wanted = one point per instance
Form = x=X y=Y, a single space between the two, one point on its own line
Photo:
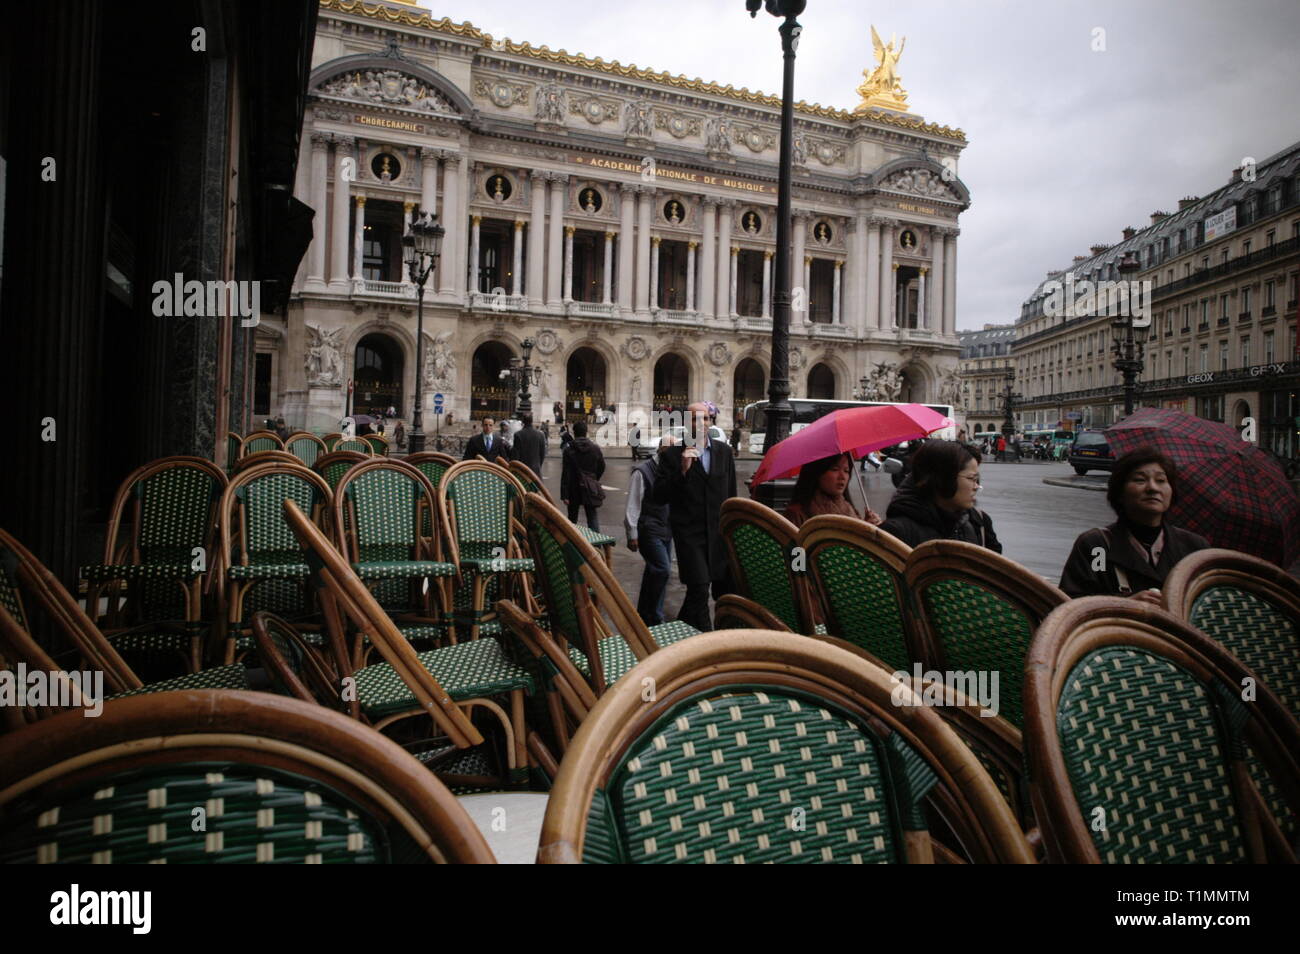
x=530 y=445
x=694 y=480
x=487 y=443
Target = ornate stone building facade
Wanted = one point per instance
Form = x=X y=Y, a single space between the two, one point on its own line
x=985 y=363
x=623 y=220
x=1221 y=284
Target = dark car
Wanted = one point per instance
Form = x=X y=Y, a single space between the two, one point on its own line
x=1090 y=451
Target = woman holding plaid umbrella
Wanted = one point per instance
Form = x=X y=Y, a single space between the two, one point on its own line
x=1134 y=554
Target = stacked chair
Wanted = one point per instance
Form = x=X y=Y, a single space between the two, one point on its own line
x=533 y=484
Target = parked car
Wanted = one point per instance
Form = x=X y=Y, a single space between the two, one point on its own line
x=1091 y=451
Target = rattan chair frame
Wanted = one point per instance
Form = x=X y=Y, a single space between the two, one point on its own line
x=234 y=538
x=379 y=444
x=249 y=727
x=333 y=457
x=331 y=439
x=533 y=484
x=740 y=510
x=1084 y=625
x=369 y=450
x=750 y=658
x=739 y=612
x=123 y=552
x=266 y=457
x=317 y=684
x=818 y=533
x=296 y=436
x=261 y=435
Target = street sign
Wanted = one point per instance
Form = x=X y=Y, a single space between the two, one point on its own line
x=437 y=403
x=1074 y=415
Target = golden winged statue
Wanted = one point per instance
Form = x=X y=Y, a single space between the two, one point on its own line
x=882 y=88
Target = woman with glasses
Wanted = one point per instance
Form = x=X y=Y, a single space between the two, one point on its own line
x=1134 y=554
x=936 y=501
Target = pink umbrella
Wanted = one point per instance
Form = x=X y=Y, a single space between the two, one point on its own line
x=855 y=430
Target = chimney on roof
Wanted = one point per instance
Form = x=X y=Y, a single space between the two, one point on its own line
x=1098 y=249
x=989 y=327
x=1185 y=201
x=1129 y=232
x=1157 y=217
x=1080 y=258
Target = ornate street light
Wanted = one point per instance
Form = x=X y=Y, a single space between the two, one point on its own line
x=779 y=413
x=1129 y=339
x=1009 y=398
x=524 y=376
x=422 y=245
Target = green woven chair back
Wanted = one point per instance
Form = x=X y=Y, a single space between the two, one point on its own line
x=353 y=444
x=754 y=776
x=557 y=570
x=979 y=631
x=384 y=503
x=863 y=601
x=1144 y=748
x=433 y=469
x=376 y=443
x=331 y=443
x=255 y=444
x=270 y=541
x=175 y=515
x=480 y=503
x=233 y=443
x=766 y=564
x=334 y=471
x=1258 y=632
x=305 y=449
x=251 y=814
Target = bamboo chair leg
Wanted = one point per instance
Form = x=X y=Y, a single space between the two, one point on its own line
x=520 y=728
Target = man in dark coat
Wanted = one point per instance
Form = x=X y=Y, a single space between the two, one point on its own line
x=486 y=443
x=649 y=533
x=584 y=465
x=694 y=481
x=530 y=445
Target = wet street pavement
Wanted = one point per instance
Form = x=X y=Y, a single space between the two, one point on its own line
x=1036 y=522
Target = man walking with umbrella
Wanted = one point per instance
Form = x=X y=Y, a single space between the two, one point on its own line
x=693 y=480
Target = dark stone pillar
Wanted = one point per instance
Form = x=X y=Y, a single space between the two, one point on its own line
x=51 y=303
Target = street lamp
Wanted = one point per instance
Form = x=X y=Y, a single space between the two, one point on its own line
x=422 y=245
x=779 y=413
x=524 y=376
x=1129 y=338
x=1009 y=398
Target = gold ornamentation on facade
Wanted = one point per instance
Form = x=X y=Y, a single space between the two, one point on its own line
x=883 y=87
x=697 y=85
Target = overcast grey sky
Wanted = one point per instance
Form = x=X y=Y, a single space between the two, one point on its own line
x=1066 y=145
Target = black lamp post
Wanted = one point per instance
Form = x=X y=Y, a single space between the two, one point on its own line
x=779 y=412
x=1009 y=398
x=423 y=245
x=1129 y=339
x=524 y=376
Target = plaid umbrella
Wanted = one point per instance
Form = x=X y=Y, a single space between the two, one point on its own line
x=1229 y=491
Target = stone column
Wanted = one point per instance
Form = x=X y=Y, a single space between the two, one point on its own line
x=358 y=240
x=835 y=295
x=474 y=284
x=429 y=181
x=920 y=300
x=568 y=263
x=735 y=269
x=555 y=239
x=343 y=151
x=936 y=311
x=950 y=283
x=807 y=282
x=871 y=274
x=517 y=264
x=896 y=308
x=453 y=220
x=726 y=210
x=654 y=272
x=708 y=256
x=607 y=268
x=316 y=256
x=408 y=216
x=536 y=239
x=644 y=195
x=767 y=284
x=852 y=304
x=798 y=277
x=690 y=276
x=886 y=317
x=626 y=244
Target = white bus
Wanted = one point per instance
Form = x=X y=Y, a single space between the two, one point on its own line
x=807 y=410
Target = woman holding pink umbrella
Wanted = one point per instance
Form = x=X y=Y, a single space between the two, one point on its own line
x=821 y=489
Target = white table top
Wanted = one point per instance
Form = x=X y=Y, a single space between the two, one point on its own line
x=510 y=821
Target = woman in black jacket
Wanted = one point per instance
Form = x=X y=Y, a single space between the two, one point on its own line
x=937 y=499
x=1134 y=554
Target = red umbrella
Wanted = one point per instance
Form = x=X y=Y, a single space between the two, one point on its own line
x=856 y=430
x=1229 y=490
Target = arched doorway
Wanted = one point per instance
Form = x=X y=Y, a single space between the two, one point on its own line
x=1240 y=411
x=489 y=395
x=913 y=389
x=377 y=376
x=672 y=383
x=584 y=384
x=748 y=384
x=821 y=383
